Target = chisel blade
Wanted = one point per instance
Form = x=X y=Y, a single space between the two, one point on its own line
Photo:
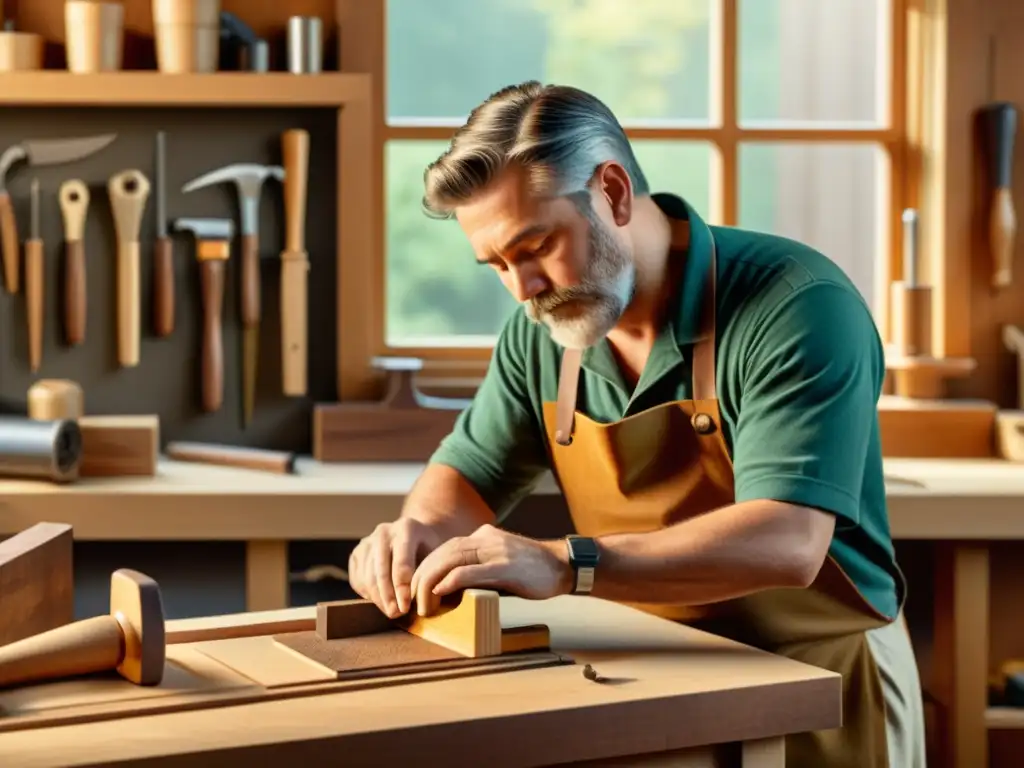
x=250 y=354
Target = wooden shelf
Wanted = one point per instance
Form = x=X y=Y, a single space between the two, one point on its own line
x=153 y=89
x=1004 y=718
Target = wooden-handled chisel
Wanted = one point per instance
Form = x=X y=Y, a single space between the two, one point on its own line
x=213 y=247
x=294 y=262
x=1001 y=128
x=34 y=283
x=128 y=192
x=163 y=252
x=74 y=204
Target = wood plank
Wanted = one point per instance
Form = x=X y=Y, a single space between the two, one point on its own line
x=251 y=624
x=37 y=590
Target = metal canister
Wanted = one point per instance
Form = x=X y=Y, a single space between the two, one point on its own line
x=305 y=45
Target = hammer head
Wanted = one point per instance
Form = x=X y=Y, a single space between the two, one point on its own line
x=206 y=228
x=136 y=604
x=248 y=177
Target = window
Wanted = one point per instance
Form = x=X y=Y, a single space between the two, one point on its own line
x=777 y=115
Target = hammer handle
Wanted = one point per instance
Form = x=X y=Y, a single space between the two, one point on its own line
x=34 y=301
x=9 y=236
x=163 y=287
x=250 y=280
x=211 y=276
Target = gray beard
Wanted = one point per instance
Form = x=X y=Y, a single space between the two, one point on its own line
x=606 y=290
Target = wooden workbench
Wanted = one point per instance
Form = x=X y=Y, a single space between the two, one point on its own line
x=669 y=690
x=962 y=505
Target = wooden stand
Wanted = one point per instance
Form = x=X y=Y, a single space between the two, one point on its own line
x=129 y=640
x=404 y=426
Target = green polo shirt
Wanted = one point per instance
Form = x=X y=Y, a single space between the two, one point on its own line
x=799 y=371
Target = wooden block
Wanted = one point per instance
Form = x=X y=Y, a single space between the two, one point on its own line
x=119 y=446
x=371 y=432
x=934 y=429
x=36 y=581
x=468 y=624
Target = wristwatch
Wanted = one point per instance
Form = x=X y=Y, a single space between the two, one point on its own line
x=584 y=556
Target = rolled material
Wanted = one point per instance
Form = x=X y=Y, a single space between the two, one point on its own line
x=280 y=462
x=45 y=450
x=305 y=45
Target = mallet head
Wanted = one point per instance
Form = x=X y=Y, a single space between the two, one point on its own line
x=206 y=228
x=136 y=604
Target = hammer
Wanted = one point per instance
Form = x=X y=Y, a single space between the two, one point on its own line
x=213 y=247
x=248 y=179
x=130 y=639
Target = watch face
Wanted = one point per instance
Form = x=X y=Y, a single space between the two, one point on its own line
x=584 y=551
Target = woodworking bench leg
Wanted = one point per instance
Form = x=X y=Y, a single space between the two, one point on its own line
x=765 y=753
x=266 y=575
x=960 y=663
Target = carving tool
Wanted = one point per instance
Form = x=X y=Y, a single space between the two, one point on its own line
x=35 y=152
x=294 y=263
x=213 y=247
x=1000 y=120
x=163 y=252
x=128 y=192
x=129 y=639
x=34 y=268
x=248 y=178
x=74 y=204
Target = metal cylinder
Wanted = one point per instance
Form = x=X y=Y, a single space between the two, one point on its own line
x=47 y=450
x=305 y=45
x=254 y=56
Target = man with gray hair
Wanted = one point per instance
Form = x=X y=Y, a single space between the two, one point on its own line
x=706 y=399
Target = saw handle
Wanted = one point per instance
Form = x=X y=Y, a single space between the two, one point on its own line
x=163 y=287
x=34 y=301
x=211 y=276
x=9 y=236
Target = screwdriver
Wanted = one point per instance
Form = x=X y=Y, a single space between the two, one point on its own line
x=34 y=284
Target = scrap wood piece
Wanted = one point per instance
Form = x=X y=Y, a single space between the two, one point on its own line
x=468 y=624
x=37 y=588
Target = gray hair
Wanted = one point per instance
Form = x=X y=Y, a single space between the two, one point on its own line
x=559 y=134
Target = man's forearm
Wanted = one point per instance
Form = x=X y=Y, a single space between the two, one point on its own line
x=443 y=499
x=721 y=555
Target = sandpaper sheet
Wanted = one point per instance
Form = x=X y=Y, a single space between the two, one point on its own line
x=394 y=652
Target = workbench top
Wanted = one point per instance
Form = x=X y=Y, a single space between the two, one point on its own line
x=928 y=498
x=667 y=687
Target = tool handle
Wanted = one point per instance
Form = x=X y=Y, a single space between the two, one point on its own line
x=34 y=301
x=211 y=276
x=294 y=274
x=90 y=645
x=280 y=462
x=128 y=316
x=74 y=292
x=295 y=153
x=1002 y=232
x=163 y=286
x=250 y=280
x=9 y=236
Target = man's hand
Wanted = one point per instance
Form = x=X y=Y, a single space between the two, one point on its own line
x=382 y=564
x=494 y=559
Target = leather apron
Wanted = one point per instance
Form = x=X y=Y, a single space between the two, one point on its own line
x=670 y=463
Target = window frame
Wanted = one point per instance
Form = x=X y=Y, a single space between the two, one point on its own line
x=916 y=48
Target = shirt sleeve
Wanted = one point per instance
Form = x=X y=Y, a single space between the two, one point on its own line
x=497 y=443
x=808 y=408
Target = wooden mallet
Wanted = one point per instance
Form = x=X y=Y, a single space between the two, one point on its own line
x=130 y=640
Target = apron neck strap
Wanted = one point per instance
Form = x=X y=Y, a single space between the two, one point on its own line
x=568 y=383
x=704 y=350
x=703 y=364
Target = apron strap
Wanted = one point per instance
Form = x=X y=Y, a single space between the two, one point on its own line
x=568 y=384
x=704 y=350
